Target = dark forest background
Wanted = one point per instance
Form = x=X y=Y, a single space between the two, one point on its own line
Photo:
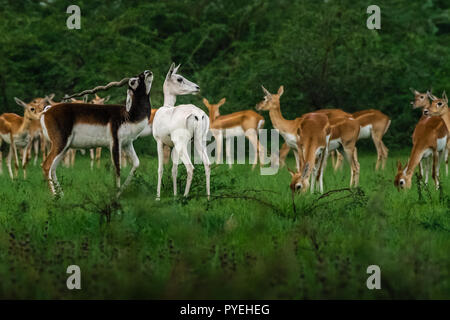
x=321 y=51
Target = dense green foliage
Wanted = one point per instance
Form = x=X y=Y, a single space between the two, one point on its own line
x=245 y=243
x=320 y=50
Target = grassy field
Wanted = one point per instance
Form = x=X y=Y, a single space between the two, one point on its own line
x=246 y=242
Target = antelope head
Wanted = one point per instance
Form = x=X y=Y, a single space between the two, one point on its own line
x=175 y=84
x=438 y=106
x=402 y=181
x=271 y=101
x=99 y=100
x=420 y=99
x=213 y=108
x=31 y=111
x=139 y=88
x=300 y=180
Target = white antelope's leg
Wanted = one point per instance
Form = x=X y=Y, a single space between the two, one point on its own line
x=251 y=136
x=184 y=156
x=201 y=149
x=175 y=160
x=219 y=146
x=160 y=149
x=228 y=149
x=131 y=153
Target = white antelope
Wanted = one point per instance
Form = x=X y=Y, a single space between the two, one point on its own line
x=176 y=126
x=14 y=130
x=242 y=123
x=85 y=125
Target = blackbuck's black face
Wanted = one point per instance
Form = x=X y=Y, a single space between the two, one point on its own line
x=139 y=86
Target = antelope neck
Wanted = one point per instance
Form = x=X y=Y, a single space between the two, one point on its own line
x=278 y=121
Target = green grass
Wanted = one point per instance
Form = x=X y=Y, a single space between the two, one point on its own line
x=245 y=243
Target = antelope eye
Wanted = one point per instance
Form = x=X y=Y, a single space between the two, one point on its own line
x=180 y=80
x=439 y=104
x=421 y=97
x=402 y=182
x=32 y=109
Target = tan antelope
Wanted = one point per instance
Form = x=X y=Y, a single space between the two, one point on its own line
x=315 y=132
x=242 y=123
x=14 y=130
x=422 y=100
x=429 y=140
x=83 y=125
x=287 y=128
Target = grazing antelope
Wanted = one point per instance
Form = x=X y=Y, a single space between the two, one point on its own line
x=177 y=126
x=429 y=140
x=242 y=123
x=83 y=125
x=315 y=132
x=287 y=128
x=14 y=130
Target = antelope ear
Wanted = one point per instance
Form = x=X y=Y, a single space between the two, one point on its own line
x=267 y=93
x=85 y=98
x=290 y=171
x=206 y=102
x=221 y=102
x=305 y=171
x=176 y=69
x=281 y=91
x=50 y=97
x=129 y=100
x=399 y=165
x=444 y=96
x=20 y=102
x=172 y=67
x=431 y=96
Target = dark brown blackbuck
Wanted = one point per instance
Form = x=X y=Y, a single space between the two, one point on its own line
x=85 y=125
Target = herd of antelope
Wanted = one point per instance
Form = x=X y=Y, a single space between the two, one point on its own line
x=74 y=125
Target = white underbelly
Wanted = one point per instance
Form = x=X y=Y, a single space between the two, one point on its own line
x=90 y=135
x=128 y=132
x=291 y=139
x=20 y=141
x=427 y=153
x=365 y=132
x=334 y=144
x=233 y=132
x=442 y=144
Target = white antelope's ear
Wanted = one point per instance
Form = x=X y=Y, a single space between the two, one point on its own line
x=20 y=102
x=267 y=93
x=176 y=69
x=130 y=94
x=169 y=73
